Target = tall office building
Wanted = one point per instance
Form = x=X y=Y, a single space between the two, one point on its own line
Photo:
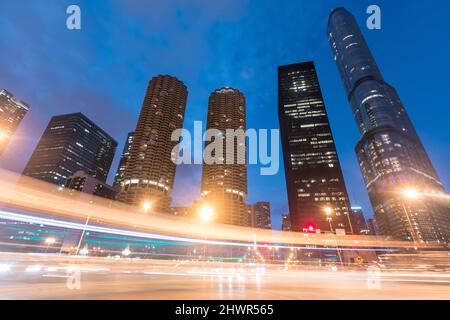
x=71 y=143
x=150 y=171
x=261 y=215
x=390 y=153
x=285 y=222
x=316 y=190
x=118 y=178
x=359 y=222
x=224 y=185
x=12 y=112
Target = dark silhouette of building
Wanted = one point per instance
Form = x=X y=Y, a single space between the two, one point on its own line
x=391 y=156
x=71 y=143
x=118 y=178
x=285 y=222
x=224 y=184
x=81 y=181
x=260 y=212
x=12 y=113
x=150 y=172
x=372 y=226
x=315 y=185
x=359 y=222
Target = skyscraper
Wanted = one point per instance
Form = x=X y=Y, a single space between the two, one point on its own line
x=391 y=156
x=285 y=222
x=359 y=222
x=123 y=160
x=150 y=172
x=12 y=112
x=261 y=215
x=71 y=143
x=224 y=185
x=316 y=190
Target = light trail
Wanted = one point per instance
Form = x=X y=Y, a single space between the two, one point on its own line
x=102 y=278
x=78 y=226
x=23 y=194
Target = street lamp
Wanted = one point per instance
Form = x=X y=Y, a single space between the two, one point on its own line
x=147 y=205
x=328 y=212
x=49 y=241
x=410 y=194
x=126 y=252
x=206 y=213
x=84 y=251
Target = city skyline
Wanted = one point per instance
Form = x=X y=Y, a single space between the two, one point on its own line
x=342 y=125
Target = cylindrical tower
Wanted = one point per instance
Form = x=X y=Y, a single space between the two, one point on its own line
x=224 y=184
x=150 y=171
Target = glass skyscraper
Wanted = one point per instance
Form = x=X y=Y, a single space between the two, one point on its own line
x=71 y=143
x=123 y=160
x=12 y=113
x=316 y=190
x=390 y=154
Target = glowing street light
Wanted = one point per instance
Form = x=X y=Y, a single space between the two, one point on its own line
x=328 y=212
x=126 y=252
x=50 y=241
x=411 y=193
x=206 y=213
x=84 y=251
x=147 y=205
x=3 y=136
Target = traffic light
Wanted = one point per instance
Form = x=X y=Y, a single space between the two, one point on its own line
x=310 y=228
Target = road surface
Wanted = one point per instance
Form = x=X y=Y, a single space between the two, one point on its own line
x=48 y=276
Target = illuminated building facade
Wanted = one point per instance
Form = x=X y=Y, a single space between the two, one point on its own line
x=71 y=143
x=224 y=185
x=315 y=185
x=12 y=113
x=150 y=172
x=390 y=153
x=118 y=178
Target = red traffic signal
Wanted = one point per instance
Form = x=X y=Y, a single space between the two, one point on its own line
x=310 y=228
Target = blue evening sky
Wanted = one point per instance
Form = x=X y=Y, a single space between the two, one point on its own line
x=103 y=69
